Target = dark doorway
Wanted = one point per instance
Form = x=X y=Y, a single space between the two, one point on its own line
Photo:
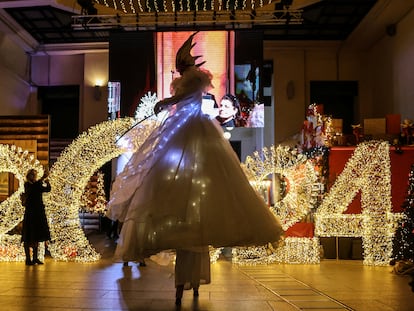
x=236 y=145
x=132 y=63
x=62 y=104
x=339 y=99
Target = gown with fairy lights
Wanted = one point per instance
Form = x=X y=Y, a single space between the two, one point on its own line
x=184 y=187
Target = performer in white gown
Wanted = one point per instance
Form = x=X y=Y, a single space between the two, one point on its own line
x=184 y=187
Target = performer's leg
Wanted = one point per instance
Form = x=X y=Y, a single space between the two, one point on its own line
x=26 y=246
x=35 y=254
x=179 y=294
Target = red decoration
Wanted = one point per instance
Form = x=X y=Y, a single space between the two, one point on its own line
x=301 y=230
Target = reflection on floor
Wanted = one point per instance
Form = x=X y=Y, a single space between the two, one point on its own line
x=104 y=285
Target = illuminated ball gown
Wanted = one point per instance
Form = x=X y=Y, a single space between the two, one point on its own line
x=184 y=187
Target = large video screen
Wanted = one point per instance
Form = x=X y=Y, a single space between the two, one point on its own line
x=234 y=99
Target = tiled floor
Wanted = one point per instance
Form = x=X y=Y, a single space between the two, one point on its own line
x=104 y=285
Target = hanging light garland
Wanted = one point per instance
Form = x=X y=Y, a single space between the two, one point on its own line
x=93 y=199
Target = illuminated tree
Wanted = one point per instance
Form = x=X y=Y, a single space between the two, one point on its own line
x=93 y=199
x=404 y=238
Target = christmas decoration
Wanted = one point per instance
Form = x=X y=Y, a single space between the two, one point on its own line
x=17 y=161
x=368 y=171
x=181 y=6
x=403 y=247
x=93 y=199
x=146 y=108
x=358 y=133
x=295 y=192
x=407 y=132
x=296 y=175
x=316 y=131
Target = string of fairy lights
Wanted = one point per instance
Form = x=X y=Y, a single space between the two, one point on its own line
x=130 y=6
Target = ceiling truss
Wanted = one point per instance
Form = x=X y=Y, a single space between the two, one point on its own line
x=195 y=20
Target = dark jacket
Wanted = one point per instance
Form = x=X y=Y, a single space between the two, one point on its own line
x=230 y=123
x=35 y=227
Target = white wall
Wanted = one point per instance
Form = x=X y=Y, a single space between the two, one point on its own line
x=299 y=62
x=403 y=71
x=96 y=70
x=19 y=97
x=16 y=92
x=77 y=69
x=385 y=74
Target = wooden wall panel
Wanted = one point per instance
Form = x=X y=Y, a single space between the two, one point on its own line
x=20 y=129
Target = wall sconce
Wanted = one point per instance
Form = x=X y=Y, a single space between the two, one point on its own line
x=97 y=92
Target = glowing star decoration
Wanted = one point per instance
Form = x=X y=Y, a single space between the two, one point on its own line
x=129 y=6
x=368 y=171
x=146 y=108
x=145 y=123
x=297 y=202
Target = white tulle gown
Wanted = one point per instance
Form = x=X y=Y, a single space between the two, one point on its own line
x=185 y=187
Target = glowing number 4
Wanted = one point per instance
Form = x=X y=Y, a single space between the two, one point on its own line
x=368 y=171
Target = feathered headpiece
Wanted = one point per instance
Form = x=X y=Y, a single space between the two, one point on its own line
x=184 y=59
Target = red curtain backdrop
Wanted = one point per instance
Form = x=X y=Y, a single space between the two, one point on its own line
x=301 y=230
